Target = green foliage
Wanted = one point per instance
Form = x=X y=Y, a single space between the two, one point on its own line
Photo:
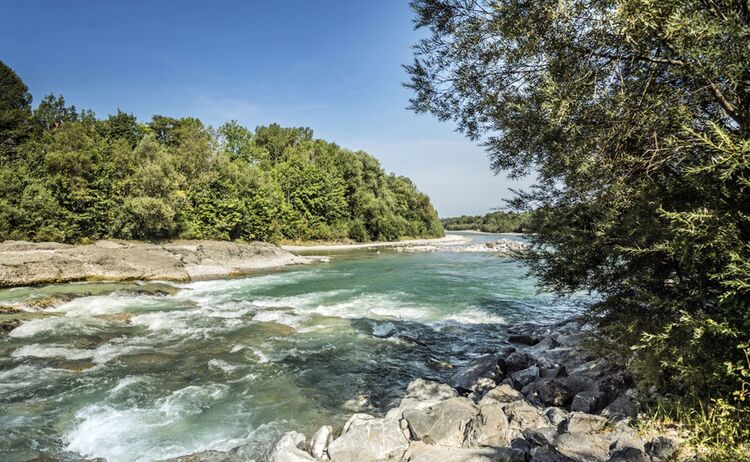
x=635 y=116
x=493 y=222
x=67 y=176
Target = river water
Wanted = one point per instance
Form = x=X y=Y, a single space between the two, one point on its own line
x=152 y=371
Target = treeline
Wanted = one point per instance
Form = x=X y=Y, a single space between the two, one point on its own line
x=493 y=222
x=68 y=176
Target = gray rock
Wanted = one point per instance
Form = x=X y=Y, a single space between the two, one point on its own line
x=517 y=360
x=588 y=401
x=442 y=424
x=319 y=442
x=466 y=378
x=552 y=372
x=356 y=419
x=579 y=422
x=583 y=447
x=286 y=448
x=488 y=428
x=524 y=339
x=291 y=455
x=624 y=406
x=420 y=452
x=556 y=416
x=523 y=415
x=525 y=376
x=628 y=455
x=547 y=392
x=575 y=383
x=548 y=454
x=426 y=390
x=502 y=394
x=542 y=436
x=661 y=447
x=371 y=440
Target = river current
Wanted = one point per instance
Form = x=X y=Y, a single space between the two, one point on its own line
x=143 y=372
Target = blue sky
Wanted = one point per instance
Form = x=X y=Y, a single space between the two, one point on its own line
x=334 y=66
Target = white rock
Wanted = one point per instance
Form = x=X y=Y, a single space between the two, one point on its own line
x=319 y=442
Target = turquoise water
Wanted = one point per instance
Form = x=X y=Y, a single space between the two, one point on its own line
x=126 y=375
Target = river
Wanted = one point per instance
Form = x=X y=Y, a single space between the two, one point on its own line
x=146 y=372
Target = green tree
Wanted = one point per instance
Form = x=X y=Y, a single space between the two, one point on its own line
x=15 y=111
x=635 y=115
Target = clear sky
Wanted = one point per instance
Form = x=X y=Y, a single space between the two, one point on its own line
x=332 y=65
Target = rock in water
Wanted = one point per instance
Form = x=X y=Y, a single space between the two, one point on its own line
x=368 y=441
x=444 y=423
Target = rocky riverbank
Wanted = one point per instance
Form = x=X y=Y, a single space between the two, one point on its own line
x=544 y=398
x=26 y=263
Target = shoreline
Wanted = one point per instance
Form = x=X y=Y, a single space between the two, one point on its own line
x=542 y=398
x=447 y=240
x=28 y=264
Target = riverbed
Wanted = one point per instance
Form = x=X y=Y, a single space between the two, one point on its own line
x=131 y=372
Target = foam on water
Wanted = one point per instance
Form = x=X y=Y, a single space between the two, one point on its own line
x=37 y=350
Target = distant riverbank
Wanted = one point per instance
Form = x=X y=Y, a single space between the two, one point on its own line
x=450 y=239
x=27 y=263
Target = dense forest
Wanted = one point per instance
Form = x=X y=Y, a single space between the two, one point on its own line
x=68 y=176
x=634 y=116
x=493 y=222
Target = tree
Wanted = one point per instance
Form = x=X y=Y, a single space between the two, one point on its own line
x=15 y=111
x=635 y=115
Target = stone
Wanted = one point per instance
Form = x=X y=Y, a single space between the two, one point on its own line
x=425 y=390
x=466 y=378
x=287 y=448
x=575 y=383
x=580 y=422
x=548 y=454
x=488 y=428
x=587 y=401
x=517 y=360
x=356 y=419
x=628 y=455
x=421 y=452
x=552 y=372
x=442 y=424
x=502 y=394
x=624 y=406
x=624 y=440
x=523 y=415
x=556 y=416
x=542 y=436
x=661 y=447
x=370 y=440
x=582 y=447
x=547 y=392
x=319 y=441
x=525 y=376
x=524 y=339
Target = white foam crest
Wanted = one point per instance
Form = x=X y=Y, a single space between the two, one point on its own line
x=223 y=365
x=112 y=350
x=220 y=287
x=279 y=317
x=37 y=350
x=27 y=375
x=475 y=316
x=306 y=300
x=383 y=329
x=382 y=306
x=106 y=304
x=54 y=324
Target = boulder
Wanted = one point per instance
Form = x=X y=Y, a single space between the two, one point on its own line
x=524 y=339
x=588 y=401
x=575 y=383
x=291 y=455
x=488 y=428
x=624 y=406
x=356 y=419
x=466 y=378
x=421 y=394
x=421 y=452
x=522 y=415
x=556 y=416
x=661 y=447
x=289 y=447
x=319 y=442
x=628 y=455
x=502 y=394
x=542 y=436
x=582 y=447
x=444 y=423
x=517 y=360
x=580 y=422
x=525 y=376
x=548 y=454
x=369 y=440
x=547 y=392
